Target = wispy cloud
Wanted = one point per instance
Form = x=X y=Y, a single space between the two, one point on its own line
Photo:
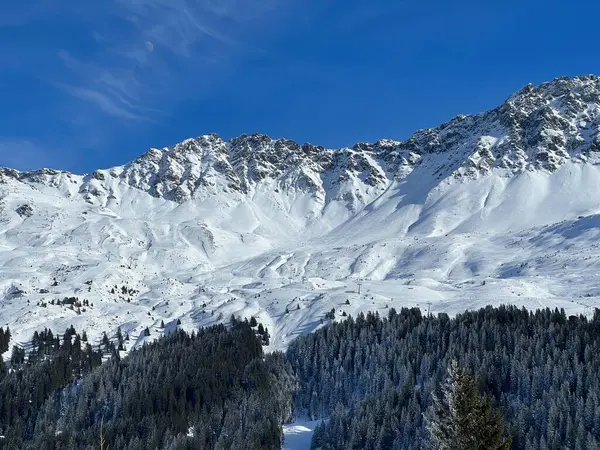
x=106 y=103
x=103 y=70
x=154 y=47
x=134 y=56
x=179 y=24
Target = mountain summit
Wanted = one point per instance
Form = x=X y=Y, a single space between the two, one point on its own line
x=482 y=209
x=539 y=127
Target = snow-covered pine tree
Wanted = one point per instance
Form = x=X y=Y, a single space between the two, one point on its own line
x=460 y=418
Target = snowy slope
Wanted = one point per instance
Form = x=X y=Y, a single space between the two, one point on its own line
x=500 y=207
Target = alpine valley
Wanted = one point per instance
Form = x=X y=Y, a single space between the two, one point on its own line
x=496 y=208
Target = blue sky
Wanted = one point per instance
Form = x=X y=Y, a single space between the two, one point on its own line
x=93 y=84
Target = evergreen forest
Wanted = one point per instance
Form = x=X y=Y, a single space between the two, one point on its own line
x=529 y=379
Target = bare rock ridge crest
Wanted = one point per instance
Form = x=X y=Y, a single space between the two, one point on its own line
x=537 y=128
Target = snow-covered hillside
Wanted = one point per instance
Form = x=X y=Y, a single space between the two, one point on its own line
x=500 y=207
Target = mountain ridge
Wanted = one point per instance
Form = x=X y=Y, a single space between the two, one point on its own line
x=560 y=117
x=485 y=208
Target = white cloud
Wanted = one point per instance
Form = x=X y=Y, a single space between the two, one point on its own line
x=137 y=59
x=111 y=103
x=176 y=25
x=156 y=44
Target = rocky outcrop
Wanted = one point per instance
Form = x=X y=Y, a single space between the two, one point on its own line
x=24 y=211
x=537 y=128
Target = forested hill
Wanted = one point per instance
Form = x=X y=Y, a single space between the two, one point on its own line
x=370 y=378
x=212 y=389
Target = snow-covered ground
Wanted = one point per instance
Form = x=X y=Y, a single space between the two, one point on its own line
x=482 y=210
x=530 y=240
x=298 y=434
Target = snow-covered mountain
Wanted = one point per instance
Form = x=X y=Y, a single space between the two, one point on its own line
x=499 y=207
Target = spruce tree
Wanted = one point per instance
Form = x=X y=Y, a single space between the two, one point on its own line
x=461 y=418
x=120 y=339
x=105 y=341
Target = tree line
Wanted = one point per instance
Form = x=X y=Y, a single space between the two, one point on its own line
x=496 y=378
x=373 y=378
x=35 y=377
x=4 y=341
x=211 y=389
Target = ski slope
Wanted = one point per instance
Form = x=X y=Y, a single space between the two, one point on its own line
x=502 y=207
x=488 y=241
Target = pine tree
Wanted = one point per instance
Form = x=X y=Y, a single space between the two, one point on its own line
x=103 y=445
x=120 y=339
x=461 y=418
x=5 y=340
x=105 y=341
x=318 y=437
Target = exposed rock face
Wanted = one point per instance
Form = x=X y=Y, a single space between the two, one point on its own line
x=498 y=207
x=24 y=211
x=15 y=292
x=537 y=128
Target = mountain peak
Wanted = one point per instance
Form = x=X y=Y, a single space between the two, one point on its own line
x=537 y=128
x=476 y=209
x=585 y=88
